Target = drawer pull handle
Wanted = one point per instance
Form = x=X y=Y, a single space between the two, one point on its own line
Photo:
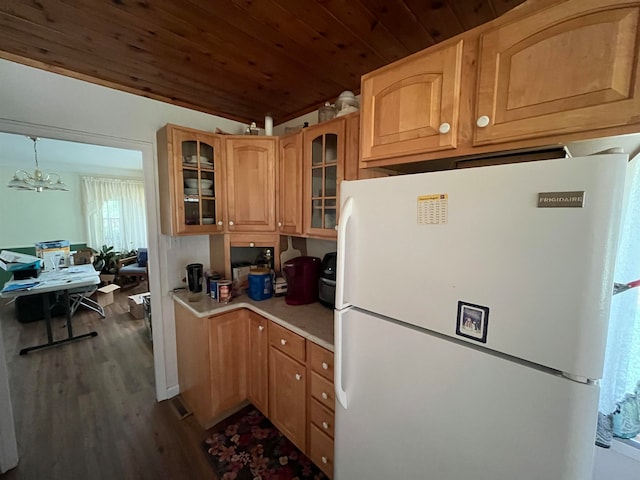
x=231 y=223
x=283 y=341
x=279 y=224
x=298 y=376
x=261 y=327
x=324 y=395
x=325 y=366
x=324 y=459
x=325 y=425
x=444 y=128
x=220 y=222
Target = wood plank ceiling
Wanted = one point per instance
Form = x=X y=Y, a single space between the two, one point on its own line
x=239 y=59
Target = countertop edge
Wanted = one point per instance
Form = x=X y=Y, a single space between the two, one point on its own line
x=236 y=305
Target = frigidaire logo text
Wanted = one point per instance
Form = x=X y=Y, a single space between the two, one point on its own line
x=561 y=199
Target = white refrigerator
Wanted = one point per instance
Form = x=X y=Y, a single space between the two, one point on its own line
x=471 y=318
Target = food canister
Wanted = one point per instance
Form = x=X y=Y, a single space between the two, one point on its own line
x=260 y=286
x=213 y=288
x=224 y=291
x=212 y=285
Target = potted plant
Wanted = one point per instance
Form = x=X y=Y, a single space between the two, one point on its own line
x=107 y=262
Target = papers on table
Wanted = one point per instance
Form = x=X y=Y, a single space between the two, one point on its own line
x=14 y=261
x=17 y=286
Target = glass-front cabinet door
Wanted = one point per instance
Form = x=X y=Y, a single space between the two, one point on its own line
x=324 y=168
x=195 y=182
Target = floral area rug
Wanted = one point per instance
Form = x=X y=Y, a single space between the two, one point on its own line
x=247 y=446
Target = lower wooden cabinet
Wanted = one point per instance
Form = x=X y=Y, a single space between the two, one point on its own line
x=258 y=362
x=287 y=396
x=212 y=362
x=321 y=449
x=194 y=363
x=228 y=344
x=321 y=408
x=228 y=359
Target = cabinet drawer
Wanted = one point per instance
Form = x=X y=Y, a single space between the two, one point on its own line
x=322 y=417
x=322 y=390
x=321 y=450
x=321 y=360
x=288 y=342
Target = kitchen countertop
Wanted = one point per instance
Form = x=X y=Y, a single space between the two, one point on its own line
x=313 y=321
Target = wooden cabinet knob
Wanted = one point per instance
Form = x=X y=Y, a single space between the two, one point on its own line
x=231 y=223
x=325 y=425
x=483 y=121
x=324 y=459
x=444 y=128
x=220 y=222
x=283 y=341
x=261 y=327
x=252 y=244
x=324 y=395
x=279 y=224
x=325 y=366
x=298 y=376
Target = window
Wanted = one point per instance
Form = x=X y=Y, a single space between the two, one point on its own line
x=115 y=212
x=622 y=358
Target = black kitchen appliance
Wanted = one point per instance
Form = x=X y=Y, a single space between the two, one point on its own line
x=327 y=282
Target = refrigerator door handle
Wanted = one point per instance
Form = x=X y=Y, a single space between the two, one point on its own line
x=341 y=394
x=346 y=211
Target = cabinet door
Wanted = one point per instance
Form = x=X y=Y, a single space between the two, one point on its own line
x=324 y=154
x=228 y=345
x=258 y=362
x=412 y=105
x=194 y=363
x=568 y=68
x=191 y=181
x=251 y=181
x=287 y=400
x=290 y=185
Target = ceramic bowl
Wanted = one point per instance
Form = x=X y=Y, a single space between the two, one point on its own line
x=191 y=182
x=206 y=184
x=207 y=220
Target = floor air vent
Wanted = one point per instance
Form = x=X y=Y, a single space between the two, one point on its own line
x=180 y=408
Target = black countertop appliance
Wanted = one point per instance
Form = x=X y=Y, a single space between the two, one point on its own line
x=327 y=282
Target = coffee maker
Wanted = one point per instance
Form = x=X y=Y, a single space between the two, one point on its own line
x=302 y=274
x=195 y=273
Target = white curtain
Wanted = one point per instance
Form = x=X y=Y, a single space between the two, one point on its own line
x=622 y=360
x=115 y=213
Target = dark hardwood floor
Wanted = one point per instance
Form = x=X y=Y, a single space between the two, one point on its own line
x=87 y=409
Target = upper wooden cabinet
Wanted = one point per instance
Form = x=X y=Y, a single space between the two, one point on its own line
x=251 y=183
x=411 y=105
x=289 y=209
x=191 y=181
x=330 y=156
x=543 y=74
x=213 y=184
x=569 y=68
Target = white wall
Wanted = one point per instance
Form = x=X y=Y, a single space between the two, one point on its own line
x=29 y=217
x=36 y=102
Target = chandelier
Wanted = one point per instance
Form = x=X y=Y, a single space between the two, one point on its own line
x=38 y=180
